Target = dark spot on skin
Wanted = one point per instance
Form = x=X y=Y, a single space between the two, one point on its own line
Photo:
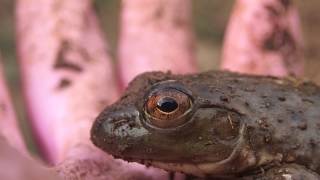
x=282 y=99
x=132 y=124
x=147 y=164
x=280 y=120
x=180 y=22
x=302 y=126
x=61 y=61
x=280 y=40
x=276 y=10
x=57 y=6
x=224 y=98
x=312 y=143
x=64 y=83
x=272 y=10
x=247 y=104
x=235 y=81
x=159 y=12
x=285 y=3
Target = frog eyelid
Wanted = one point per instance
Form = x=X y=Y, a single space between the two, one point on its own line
x=169 y=84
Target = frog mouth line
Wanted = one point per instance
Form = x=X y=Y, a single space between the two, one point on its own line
x=217 y=169
x=187 y=168
x=239 y=160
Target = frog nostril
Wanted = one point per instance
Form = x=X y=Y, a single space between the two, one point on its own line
x=120 y=122
x=282 y=99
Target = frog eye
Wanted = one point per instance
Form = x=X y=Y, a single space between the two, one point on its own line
x=167 y=108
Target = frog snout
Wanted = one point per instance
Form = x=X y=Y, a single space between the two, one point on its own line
x=112 y=131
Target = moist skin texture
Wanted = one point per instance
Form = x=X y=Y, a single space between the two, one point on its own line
x=235 y=126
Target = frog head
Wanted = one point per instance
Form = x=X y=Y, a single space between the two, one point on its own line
x=175 y=123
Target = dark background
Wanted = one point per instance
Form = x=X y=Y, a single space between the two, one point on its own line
x=209 y=18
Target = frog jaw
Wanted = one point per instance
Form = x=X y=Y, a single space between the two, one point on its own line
x=241 y=159
x=235 y=164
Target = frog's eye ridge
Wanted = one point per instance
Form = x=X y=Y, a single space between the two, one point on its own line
x=166 y=108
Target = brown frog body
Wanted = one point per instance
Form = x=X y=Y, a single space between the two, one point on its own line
x=215 y=124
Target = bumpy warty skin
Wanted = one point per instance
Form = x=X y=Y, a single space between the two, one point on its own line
x=277 y=121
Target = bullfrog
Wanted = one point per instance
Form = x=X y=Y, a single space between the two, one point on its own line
x=216 y=124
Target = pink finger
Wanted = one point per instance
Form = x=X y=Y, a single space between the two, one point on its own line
x=264 y=37
x=155 y=35
x=8 y=121
x=64 y=71
x=68 y=80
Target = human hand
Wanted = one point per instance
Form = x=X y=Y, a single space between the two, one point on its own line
x=68 y=75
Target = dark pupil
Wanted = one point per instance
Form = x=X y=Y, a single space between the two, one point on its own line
x=167 y=104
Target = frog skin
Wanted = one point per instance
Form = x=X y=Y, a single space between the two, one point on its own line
x=215 y=124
